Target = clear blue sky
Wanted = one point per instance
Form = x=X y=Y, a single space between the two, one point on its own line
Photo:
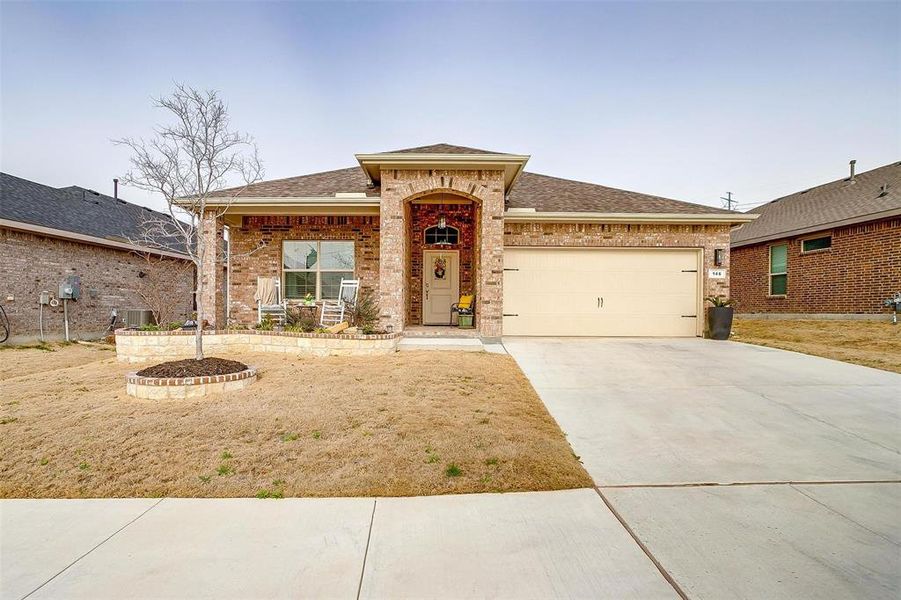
x=686 y=100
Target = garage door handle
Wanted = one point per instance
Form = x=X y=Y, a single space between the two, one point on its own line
x=600 y=302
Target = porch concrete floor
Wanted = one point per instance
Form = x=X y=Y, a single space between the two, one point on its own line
x=439 y=331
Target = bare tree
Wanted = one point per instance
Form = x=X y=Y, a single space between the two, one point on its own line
x=191 y=162
x=158 y=286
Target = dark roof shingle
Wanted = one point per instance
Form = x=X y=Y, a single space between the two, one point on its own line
x=823 y=206
x=553 y=194
x=74 y=209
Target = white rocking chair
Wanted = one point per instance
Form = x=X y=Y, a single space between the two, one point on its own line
x=274 y=307
x=333 y=311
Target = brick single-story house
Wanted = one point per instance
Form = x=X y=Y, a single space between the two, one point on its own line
x=50 y=234
x=834 y=249
x=543 y=255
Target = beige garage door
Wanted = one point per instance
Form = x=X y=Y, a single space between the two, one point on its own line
x=600 y=292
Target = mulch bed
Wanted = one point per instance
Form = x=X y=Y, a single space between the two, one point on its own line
x=193 y=368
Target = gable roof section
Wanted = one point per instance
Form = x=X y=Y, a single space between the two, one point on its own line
x=442 y=149
x=553 y=194
x=75 y=210
x=833 y=204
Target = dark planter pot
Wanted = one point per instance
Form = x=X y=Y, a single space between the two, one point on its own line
x=719 y=322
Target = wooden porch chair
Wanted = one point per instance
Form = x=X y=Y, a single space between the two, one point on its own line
x=269 y=300
x=333 y=311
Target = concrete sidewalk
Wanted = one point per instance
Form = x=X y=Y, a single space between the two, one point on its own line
x=523 y=545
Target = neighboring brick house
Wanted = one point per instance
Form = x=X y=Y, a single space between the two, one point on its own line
x=47 y=234
x=543 y=255
x=834 y=249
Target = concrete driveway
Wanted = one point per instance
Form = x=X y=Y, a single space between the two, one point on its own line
x=745 y=471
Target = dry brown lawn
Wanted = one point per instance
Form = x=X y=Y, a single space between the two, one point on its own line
x=870 y=343
x=412 y=423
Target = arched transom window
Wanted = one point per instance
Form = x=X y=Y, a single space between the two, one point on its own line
x=442 y=235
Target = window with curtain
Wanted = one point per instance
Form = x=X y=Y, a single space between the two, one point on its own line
x=779 y=270
x=316 y=267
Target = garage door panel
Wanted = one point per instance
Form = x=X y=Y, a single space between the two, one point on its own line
x=600 y=292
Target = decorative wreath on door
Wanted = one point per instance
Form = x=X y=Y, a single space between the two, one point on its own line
x=440 y=267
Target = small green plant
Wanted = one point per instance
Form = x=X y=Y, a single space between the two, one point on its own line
x=290 y=437
x=8 y=420
x=84 y=466
x=226 y=455
x=224 y=470
x=317 y=435
x=267 y=324
x=278 y=492
x=491 y=462
x=45 y=461
x=174 y=325
x=149 y=327
x=205 y=478
x=719 y=301
x=483 y=421
x=453 y=470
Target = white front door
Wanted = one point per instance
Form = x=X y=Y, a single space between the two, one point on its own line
x=440 y=285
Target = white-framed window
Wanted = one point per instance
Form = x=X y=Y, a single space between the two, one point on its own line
x=316 y=267
x=814 y=244
x=779 y=270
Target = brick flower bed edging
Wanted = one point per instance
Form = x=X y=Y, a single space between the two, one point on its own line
x=165 y=388
x=145 y=346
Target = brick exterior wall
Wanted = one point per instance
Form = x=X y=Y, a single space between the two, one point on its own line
x=862 y=269
x=109 y=279
x=423 y=216
x=249 y=260
x=401 y=186
x=623 y=235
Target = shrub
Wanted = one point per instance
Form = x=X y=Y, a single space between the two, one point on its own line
x=267 y=324
x=366 y=312
x=300 y=320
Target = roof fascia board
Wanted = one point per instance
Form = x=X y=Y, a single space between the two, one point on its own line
x=589 y=217
x=292 y=201
x=821 y=227
x=513 y=164
x=87 y=239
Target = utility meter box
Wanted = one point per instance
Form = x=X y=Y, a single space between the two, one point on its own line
x=44 y=298
x=70 y=288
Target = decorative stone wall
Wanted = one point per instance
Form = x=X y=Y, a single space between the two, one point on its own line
x=854 y=276
x=172 y=388
x=423 y=216
x=161 y=346
x=251 y=260
x=398 y=188
x=624 y=235
x=110 y=279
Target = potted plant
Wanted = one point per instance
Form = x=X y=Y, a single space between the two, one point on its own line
x=719 y=317
x=308 y=300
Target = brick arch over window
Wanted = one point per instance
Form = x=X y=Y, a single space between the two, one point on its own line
x=399 y=188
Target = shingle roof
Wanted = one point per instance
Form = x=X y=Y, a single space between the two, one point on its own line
x=826 y=206
x=553 y=194
x=328 y=183
x=74 y=209
x=441 y=149
x=541 y=192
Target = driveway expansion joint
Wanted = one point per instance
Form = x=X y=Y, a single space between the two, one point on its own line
x=366 y=551
x=663 y=572
x=103 y=541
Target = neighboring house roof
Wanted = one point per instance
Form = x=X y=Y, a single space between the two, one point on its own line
x=841 y=202
x=530 y=191
x=76 y=210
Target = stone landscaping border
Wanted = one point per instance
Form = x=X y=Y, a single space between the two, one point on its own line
x=159 y=346
x=165 y=388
